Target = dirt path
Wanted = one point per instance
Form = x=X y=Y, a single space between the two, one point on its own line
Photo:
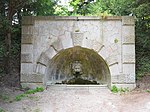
x=80 y=100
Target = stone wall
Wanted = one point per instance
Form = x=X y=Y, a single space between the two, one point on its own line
x=112 y=37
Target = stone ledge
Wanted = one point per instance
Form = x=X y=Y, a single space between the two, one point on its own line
x=32 y=78
x=26 y=58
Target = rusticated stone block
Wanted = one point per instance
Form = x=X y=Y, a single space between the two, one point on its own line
x=128 y=34
x=27 y=48
x=31 y=78
x=27 y=20
x=57 y=45
x=114 y=69
x=128 y=20
x=27 y=29
x=27 y=39
x=130 y=59
x=77 y=38
x=26 y=58
x=96 y=45
x=40 y=69
x=129 y=68
x=128 y=49
x=26 y=68
x=112 y=60
x=44 y=59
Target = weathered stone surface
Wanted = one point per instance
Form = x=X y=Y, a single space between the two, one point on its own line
x=123 y=78
x=128 y=49
x=57 y=45
x=27 y=39
x=50 y=52
x=114 y=69
x=77 y=38
x=27 y=29
x=112 y=37
x=128 y=34
x=112 y=60
x=66 y=40
x=41 y=69
x=44 y=60
x=128 y=20
x=27 y=48
x=129 y=59
x=96 y=46
x=32 y=78
x=26 y=68
x=26 y=58
x=104 y=53
x=27 y=20
x=129 y=68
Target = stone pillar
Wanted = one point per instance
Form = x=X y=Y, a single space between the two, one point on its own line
x=28 y=78
x=127 y=77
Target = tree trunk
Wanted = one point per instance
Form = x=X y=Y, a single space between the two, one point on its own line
x=8 y=38
x=8 y=51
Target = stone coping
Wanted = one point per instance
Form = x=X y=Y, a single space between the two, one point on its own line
x=29 y=20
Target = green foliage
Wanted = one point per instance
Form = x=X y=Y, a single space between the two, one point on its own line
x=114 y=89
x=20 y=96
x=40 y=8
x=148 y=90
x=31 y=91
x=142 y=13
x=2 y=110
x=4 y=97
x=114 y=7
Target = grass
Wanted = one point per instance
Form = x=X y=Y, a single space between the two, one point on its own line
x=2 y=110
x=148 y=90
x=114 y=89
x=4 y=97
x=28 y=92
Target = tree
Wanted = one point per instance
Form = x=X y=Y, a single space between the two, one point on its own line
x=11 y=12
x=113 y=7
x=142 y=13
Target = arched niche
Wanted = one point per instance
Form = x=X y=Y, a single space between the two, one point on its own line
x=94 y=67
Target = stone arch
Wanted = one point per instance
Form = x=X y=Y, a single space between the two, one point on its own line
x=43 y=65
x=56 y=47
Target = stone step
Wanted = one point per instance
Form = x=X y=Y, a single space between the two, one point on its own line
x=77 y=87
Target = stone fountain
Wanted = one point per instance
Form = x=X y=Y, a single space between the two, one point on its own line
x=99 y=49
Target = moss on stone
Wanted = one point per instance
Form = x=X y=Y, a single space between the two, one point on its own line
x=93 y=66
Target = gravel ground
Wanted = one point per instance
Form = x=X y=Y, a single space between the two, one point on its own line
x=81 y=99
